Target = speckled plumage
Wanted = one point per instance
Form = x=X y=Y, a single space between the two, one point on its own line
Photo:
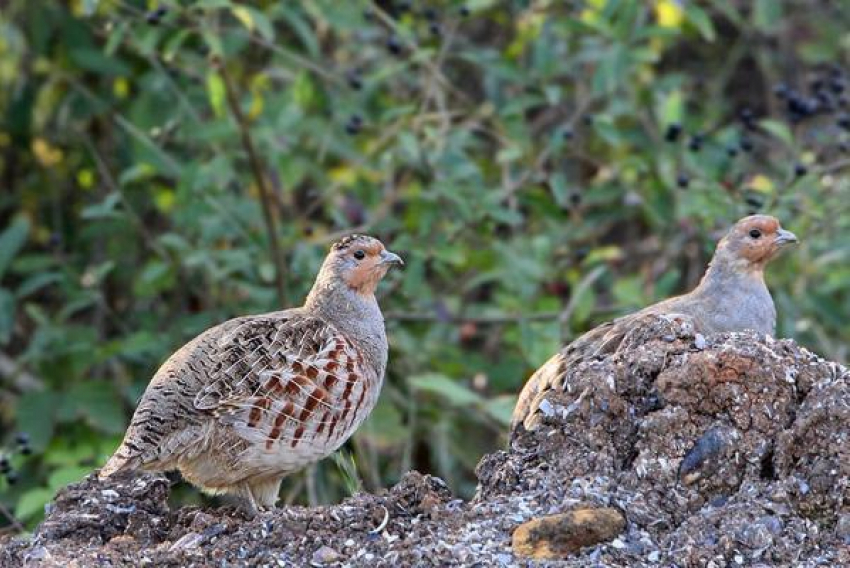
x=255 y=398
x=732 y=296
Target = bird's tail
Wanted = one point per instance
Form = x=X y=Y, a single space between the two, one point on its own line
x=120 y=461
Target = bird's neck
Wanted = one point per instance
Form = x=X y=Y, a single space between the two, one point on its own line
x=727 y=276
x=355 y=315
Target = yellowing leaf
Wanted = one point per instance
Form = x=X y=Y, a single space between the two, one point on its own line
x=216 y=92
x=85 y=178
x=243 y=15
x=120 y=88
x=669 y=14
x=343 y=175
x=47 y=155
x=164 y=199
x=761 y=183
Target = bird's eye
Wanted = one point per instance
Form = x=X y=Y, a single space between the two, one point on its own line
x=755 y=233
x=359 y=254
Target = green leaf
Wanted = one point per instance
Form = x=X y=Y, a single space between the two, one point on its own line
x=98 y=62
x=778 y=129
x=65 y=475
x=672 y=109
x=767 y=14
x=90 y=7
x=253 y=19
x=501 y=408
x=558 y=185
x=701 y=21
x=97 y=403
x=31 y=504
x=7 y=315
x=36 y=416
x=11 y=241
x=445 y=387
x=217 y=93
x=103 y=210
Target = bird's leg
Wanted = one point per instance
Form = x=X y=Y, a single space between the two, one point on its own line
x=265 y=492
x=248 y=502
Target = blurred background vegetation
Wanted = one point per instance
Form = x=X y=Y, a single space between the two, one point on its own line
x=542 y=165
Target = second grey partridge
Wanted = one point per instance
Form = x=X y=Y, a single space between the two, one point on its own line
x=732 y=296
x=251 y=400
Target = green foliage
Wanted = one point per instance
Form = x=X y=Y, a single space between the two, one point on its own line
x=518 y=158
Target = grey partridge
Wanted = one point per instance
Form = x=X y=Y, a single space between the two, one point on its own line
x=257 y=397
x=732 y=296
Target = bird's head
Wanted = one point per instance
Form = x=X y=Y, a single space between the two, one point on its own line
x=360 y=262
x=753 y=242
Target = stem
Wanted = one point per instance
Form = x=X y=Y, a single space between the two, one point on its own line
x=259 y=178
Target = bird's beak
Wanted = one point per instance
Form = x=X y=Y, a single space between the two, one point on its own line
x=784 y=237
x=388 y=257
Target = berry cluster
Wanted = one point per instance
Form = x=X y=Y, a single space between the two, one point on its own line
x=22 y=442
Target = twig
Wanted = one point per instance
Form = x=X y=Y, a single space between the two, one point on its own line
x=20 y=378
x=259 y=178
x=584 y=284
x=835 y=166
x=540 y=316
x=11 y=518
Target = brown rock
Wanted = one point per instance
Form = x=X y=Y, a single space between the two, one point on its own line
x=558 y=536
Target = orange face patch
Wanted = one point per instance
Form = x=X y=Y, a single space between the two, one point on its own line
x=754 y=239
x=368 y=270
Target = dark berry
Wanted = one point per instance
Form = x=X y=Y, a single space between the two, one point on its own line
x=464 y=12
x=368 y=15
x=780 y=90
x=394 y=45
x=746 y=145
x=430 y=14
x=695 y=143
x=587 y=119
x=354 y=81
x=5 y=466
x=800 y=170
x=355 y=122
x=754 y=201
x=575 y=199
x=837 y=86
x=567 y=133
x=26 y=450
x=731 y=151
x=11 y=477
x=682 y=181
x=844 y=121
x=22 y=438
x=435 y=29
x=402 y=7
x=673 y=131
x=154 y=16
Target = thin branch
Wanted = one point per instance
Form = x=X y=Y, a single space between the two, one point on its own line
x=259 y=178
x=11 y=518
x=835 y=166
x=19 y=377
x=402 y=316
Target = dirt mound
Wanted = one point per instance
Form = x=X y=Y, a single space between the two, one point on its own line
x=724 y=450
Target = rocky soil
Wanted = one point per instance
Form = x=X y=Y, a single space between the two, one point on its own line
x=727 y=450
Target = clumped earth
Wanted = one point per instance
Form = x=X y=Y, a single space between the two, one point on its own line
x=718 y=451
